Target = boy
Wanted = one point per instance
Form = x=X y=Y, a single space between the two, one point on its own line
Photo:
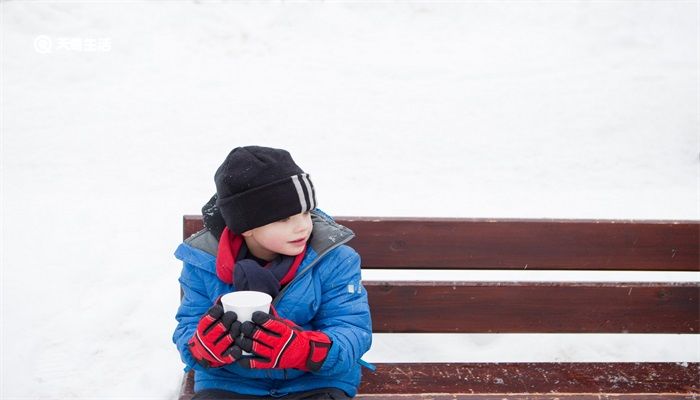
x=263 y=232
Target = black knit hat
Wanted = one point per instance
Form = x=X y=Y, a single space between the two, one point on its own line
x=259 y=185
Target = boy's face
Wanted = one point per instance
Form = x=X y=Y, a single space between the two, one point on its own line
x=280 y=237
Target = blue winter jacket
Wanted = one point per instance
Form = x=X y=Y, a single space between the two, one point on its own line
x=326 y=294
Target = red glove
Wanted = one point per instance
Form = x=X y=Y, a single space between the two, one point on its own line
x=214 y=344
x=280 y=343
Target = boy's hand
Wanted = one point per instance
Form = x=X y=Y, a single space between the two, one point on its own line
x=280 y=343
x=214 y=344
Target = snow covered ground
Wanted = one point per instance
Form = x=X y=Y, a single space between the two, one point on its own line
x=116 y=114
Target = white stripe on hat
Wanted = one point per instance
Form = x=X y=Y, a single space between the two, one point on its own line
x=309 y=190
x=300 y=192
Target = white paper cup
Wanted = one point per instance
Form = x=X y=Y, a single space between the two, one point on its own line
x=244 y=303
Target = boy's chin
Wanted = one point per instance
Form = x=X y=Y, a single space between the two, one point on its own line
x=293 y=252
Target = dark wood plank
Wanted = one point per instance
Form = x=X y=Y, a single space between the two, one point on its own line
x=543 y=378
x=535 y=307
x=187 y=386
x=523 y=381
x=529 y=396
x=191 y=224
x=534 y=244
x=525 y=244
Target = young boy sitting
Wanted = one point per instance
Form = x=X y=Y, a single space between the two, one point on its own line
x=264 y=233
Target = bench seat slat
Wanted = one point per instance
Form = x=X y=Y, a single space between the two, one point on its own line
x=540 y=307
x=560 y=378
x=528 y=396
x=524 y=380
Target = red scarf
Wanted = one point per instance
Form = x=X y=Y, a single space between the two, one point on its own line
x=229 y=250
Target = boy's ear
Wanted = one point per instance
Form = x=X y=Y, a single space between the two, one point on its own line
x=247 y=233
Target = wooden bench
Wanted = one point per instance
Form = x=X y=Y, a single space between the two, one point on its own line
x=526 y=307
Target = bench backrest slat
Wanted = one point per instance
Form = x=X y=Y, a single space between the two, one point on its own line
x=525 y=244
x=415 y=243
x=538 y=307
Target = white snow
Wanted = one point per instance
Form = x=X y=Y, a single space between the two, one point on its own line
x=472 y=109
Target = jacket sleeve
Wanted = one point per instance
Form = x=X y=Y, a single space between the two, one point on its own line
x=344 y=315
x=193 y=306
